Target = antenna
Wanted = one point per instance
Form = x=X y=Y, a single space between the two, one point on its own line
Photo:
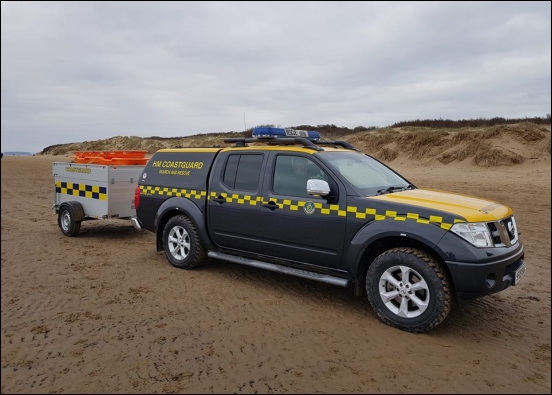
x=244 y=124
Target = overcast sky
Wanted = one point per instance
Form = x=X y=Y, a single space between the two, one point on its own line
x=83 y=71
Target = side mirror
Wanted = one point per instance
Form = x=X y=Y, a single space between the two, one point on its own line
x=318 y=187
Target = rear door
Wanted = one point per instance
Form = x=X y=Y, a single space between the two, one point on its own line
x=235 y=201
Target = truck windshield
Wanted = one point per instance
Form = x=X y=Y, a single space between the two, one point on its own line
x=366 y=174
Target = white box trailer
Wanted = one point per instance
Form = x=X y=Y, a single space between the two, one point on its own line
x=90 y=192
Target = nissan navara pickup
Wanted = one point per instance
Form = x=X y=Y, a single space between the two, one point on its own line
x=289 y=201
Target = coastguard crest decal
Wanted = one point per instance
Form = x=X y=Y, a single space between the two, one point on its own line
x=309 y=208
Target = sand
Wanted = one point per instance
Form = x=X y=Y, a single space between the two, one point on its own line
x=104 y=312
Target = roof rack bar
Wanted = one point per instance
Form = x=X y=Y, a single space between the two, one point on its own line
x=341 y=143
x=307 y=143
x=242 y=142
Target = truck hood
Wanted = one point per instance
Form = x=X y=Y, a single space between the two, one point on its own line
x=471 y=208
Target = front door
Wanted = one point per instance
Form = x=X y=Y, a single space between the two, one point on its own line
x=296 y=226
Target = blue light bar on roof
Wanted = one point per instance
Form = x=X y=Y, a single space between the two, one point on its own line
x=268 y=132
x=313 y=135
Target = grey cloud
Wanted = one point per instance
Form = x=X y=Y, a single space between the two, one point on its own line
x=79 y=71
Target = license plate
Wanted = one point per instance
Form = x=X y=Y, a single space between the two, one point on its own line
x=518 y=274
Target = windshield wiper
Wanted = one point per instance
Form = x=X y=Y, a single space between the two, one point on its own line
x=393 y=188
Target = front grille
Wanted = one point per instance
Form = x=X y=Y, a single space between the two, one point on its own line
x=494 y=233
x=504 y=232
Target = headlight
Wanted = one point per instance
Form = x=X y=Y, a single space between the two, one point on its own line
x=476 y=233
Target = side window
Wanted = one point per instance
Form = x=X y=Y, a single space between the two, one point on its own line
x=242 y=172
x=231 y=170
x=291 y=174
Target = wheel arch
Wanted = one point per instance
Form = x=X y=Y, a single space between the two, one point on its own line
x=378 y=246
x=181 y=206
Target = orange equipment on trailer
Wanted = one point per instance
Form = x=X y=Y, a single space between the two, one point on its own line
x=117 y=157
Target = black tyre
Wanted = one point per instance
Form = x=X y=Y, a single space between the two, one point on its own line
x=408 y=289
x=182 y=244
x=66 y=221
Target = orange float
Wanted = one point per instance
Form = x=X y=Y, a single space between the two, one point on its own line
x=116 y=157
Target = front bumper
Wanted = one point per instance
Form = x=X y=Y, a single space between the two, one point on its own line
x=483 y=271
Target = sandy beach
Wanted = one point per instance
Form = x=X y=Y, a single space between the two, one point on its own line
x=104 y=312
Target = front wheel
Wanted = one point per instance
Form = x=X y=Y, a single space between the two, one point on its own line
x=181 y=243
x=408 y=289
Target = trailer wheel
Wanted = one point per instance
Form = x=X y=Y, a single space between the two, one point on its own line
x=181 y=243
x=408 y=289
x=67 y=223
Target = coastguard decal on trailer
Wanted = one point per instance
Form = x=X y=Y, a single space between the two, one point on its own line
x=81 y=190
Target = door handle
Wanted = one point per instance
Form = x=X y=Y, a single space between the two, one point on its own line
x=219 y=199
x=271 y=205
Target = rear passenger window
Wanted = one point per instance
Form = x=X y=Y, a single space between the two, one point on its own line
x=231 y=170
x=243 y=171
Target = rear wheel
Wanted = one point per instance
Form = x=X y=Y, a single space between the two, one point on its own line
x=66 y=221
x=181 y=243
x=408 y=289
